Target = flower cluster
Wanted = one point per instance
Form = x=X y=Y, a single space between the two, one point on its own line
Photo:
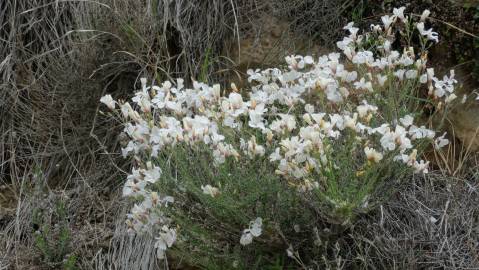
x=254 y=230
x=299 y=119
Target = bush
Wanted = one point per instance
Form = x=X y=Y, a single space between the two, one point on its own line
x=230 y=177
x=53 y=242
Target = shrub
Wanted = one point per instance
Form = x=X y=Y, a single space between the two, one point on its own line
x=292 y=160
x=53 y=242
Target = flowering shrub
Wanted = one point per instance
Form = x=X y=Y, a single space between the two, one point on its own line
x=324 y=139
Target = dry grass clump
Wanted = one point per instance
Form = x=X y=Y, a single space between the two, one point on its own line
x=320 y=20
x=57 y=59
x=433 y=223
x=172 y=39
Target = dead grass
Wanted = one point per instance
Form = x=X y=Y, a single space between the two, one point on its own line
x=60 y=57
x=322 y=21
x=432 y=224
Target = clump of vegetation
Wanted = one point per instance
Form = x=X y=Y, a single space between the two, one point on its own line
x=229 y=178
x=59 y=57
x=53 y=241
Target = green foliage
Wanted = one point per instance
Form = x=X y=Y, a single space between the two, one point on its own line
x=295 y=164
x=358 y=11
x=205 y=66
x=70 y=263
x=207 y=224
x=53 y=237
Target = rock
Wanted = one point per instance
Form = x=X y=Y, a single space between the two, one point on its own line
x=266 y=45
x=465 y=124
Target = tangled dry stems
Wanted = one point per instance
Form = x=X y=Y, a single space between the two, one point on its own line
x=321 y=20
x=431 y=224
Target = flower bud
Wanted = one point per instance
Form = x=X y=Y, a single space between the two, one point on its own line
x=425 y=15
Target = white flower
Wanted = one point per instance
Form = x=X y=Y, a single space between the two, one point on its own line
x=411 y=74
x=399 y=74
x=166 y=239
x=382 y=79
x=387 y=48
x=222 y=151
x=406 y=60
x=450 y=98
x=290 y=252
x=255 y=149
x=209 y=190
x=364 y=109
x=256 y=116
x=133 y=187
x=254 y=230
x=390 y=140
x=236 y=100
x=421 y=167
x=399 y=13
x=128 y=111
x=427 y=33
x=343 y=44
x=350 y=122
x=401 y=139
x=420 y=132
x=430 y=74
x=425 y=15
x=409 y=159
x=142 y=98
x=309 y=108
x=256 y=227
x=407 y=120
x=332 y=94
x=311 y=134
x=376 y=28
x=137 y=132
x=287 y=122
x=275 y=156
x=108 y=101
x=152 y=174
x=363 y=57
x=160 y=99
x=392 y=58
x=423 y=78
x=352 y=30
x=131 y=147
x=387 y=21
x=373 y=155
x=440 y=142
x=296 y=62
x=383 y=129
x=347 y=76
x=363 y=85
x=308 y=60
x=246 y=238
